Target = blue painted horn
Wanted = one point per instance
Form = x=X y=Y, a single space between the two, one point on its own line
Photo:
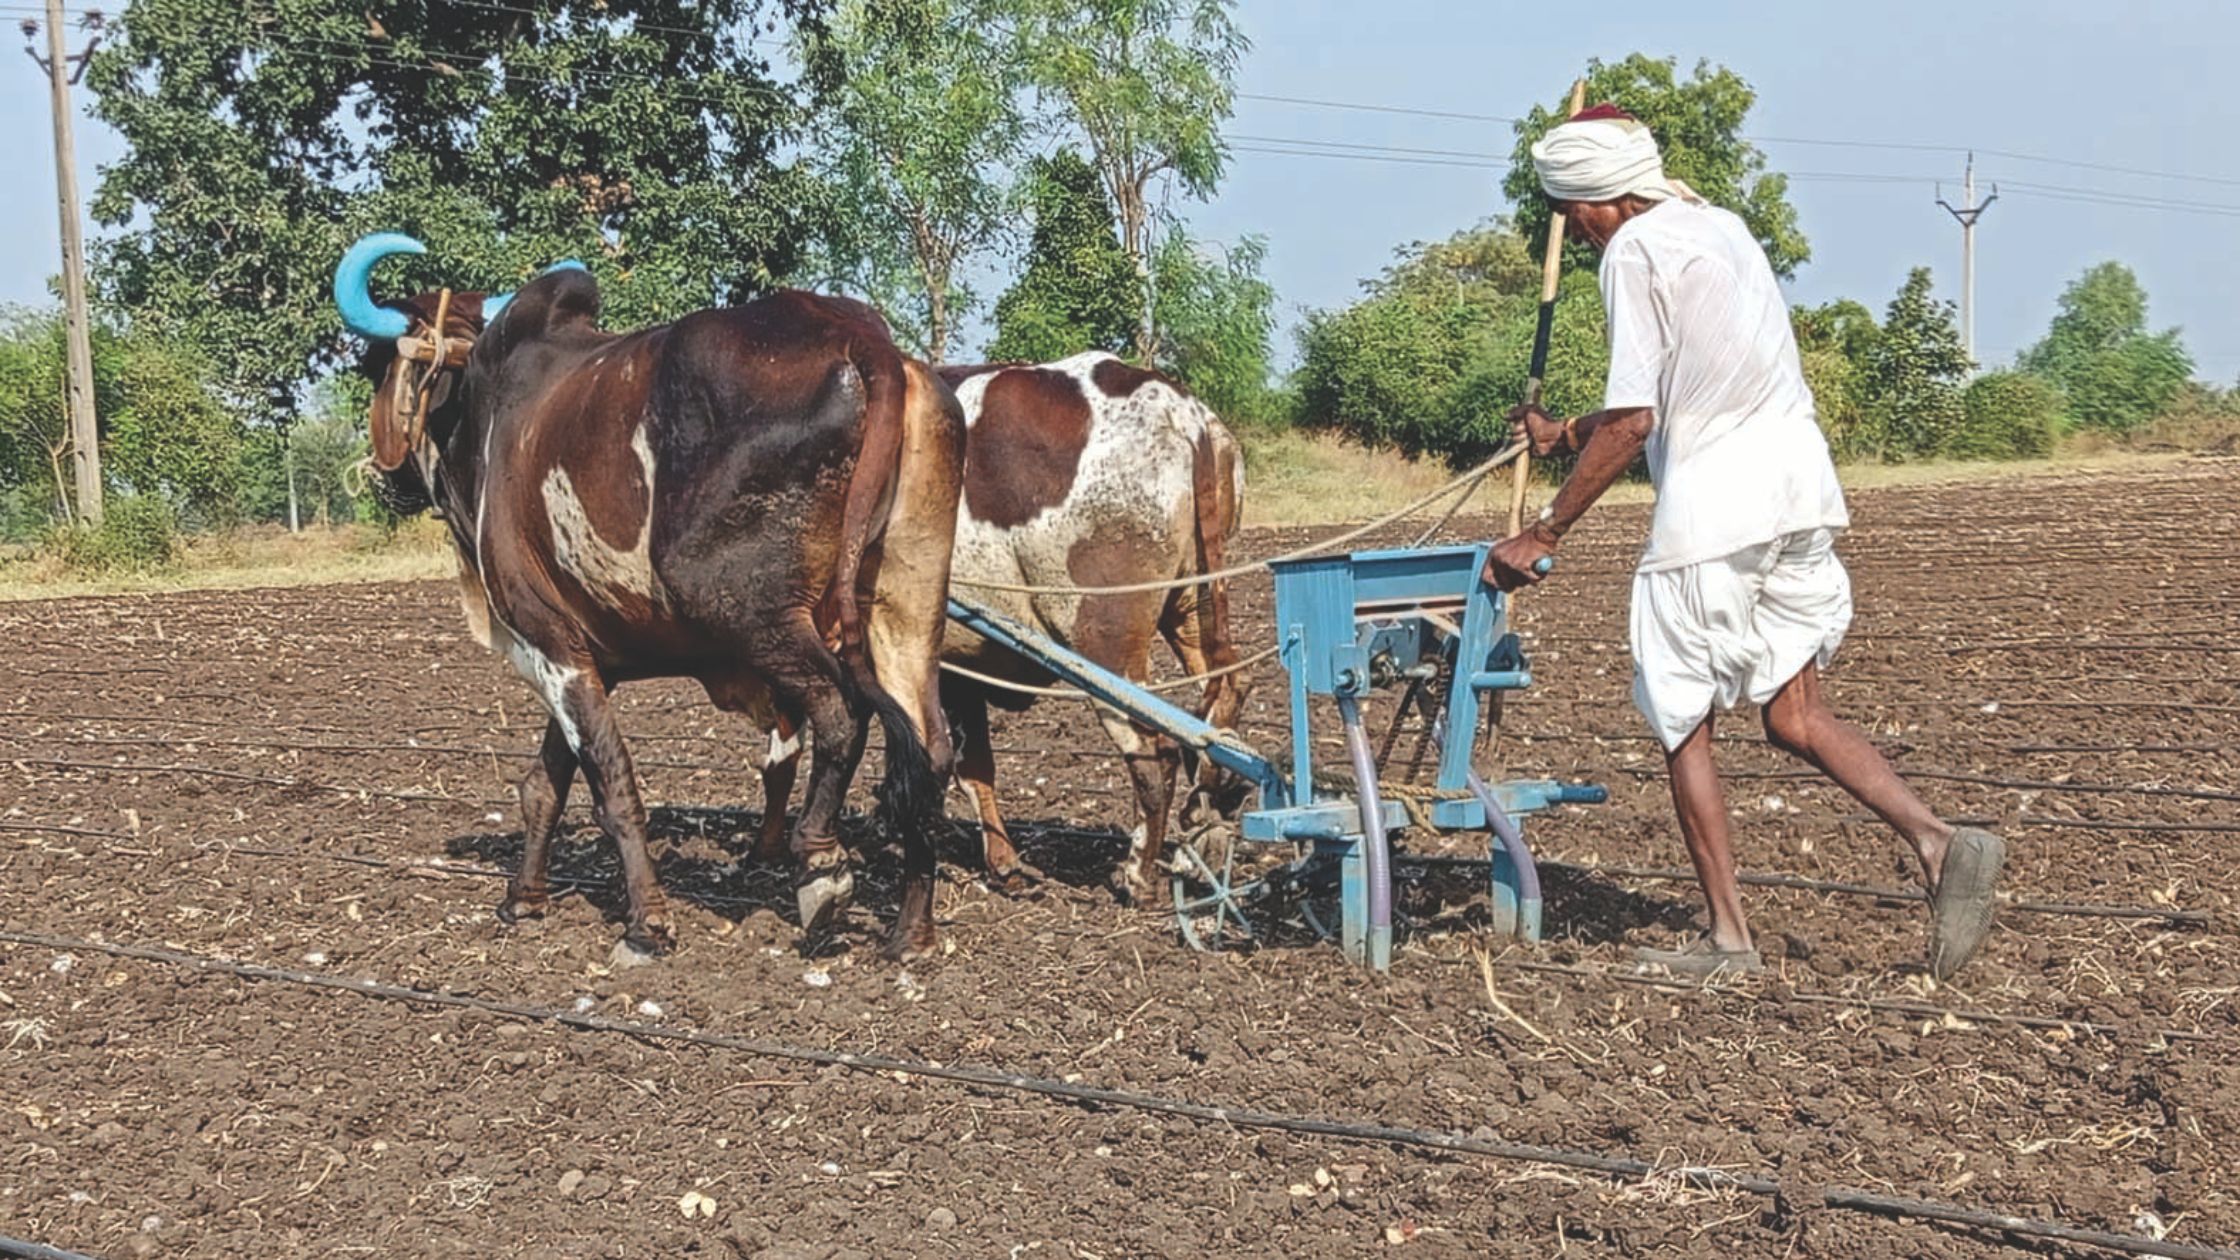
x=497 y=301
x=353 y=286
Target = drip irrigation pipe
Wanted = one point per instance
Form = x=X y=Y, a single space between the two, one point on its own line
x=1618 y=1167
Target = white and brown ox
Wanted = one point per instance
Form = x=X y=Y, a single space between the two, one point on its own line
x=1087 y=472
x=760 y=498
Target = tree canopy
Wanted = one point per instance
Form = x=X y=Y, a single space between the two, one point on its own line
x=1146 y=84
x=2116 y=375
x=929 y=126
x=1076 y=289
x=1915 y=374
x=645 y=137
x=1698 y=124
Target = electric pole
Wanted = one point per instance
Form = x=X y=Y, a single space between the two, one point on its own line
x=63 y=71
x=1967 y=214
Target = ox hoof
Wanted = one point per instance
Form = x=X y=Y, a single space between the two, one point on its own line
x=514 y=909
x=1014 y=882
x=627 y=954
x=821 y=897
x=901 y=946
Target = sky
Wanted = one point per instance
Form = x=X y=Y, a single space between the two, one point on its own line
x=2137 y=85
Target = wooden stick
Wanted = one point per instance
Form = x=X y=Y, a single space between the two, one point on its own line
x=1551 y=271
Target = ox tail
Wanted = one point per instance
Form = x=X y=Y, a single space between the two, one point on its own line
x=911 y=788
x=871 y=488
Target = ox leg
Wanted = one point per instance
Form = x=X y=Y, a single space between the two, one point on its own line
x=824 y=884
x=778 y=773
x=909 y=614
x=621 y=811
x=1116 y=632
x=777 y=789
x=976 y=770
x=544 y=794
x=1192 y=629
x=1152 y=761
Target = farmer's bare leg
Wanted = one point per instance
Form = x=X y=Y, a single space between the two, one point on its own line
x=1799 y=721
x=1701 y=805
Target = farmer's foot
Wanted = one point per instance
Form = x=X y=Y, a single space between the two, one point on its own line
x=1963 y=900
x=1702 y=958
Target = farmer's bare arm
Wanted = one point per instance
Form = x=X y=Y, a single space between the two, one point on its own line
x=1608 y=443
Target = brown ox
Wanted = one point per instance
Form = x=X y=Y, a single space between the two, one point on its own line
x=759 y=498
x=1089 y=472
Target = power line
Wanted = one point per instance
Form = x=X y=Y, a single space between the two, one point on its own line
x=2014 y=155
x=1375 y=109
x=386 y=54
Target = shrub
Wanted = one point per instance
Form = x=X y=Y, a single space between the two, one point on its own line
x=137 y=534
x=2009 y=415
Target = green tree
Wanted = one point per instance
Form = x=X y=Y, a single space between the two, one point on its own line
x=34 y=418
x=1698 y=124
x=2115 y=373
x=1834 y=343
x=1435 y=354
x=1076 y=290
x=1147 y=85
x=647 y=137
x=1216 y=314
x=928 y=126
x=1916 y=373
x=2009 y=415
x=163 y=432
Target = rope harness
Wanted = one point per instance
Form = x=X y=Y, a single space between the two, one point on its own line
x=1466 y=482
x=439 y=354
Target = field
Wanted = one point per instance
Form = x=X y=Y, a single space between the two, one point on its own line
x=318 y=780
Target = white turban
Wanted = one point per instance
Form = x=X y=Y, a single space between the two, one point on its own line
x=1601 y=159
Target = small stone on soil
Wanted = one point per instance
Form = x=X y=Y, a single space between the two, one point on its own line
x=941 y=1218
x=571 y=1179
x=624 y=955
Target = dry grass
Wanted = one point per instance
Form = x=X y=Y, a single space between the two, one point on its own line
x=1294 y=479
x=264 y=555
x=1298 y=478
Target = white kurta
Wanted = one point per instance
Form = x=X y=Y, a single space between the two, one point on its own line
x=1739 y=585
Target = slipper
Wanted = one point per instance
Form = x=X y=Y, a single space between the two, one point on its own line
x=1962 y=905
x=1703 y=959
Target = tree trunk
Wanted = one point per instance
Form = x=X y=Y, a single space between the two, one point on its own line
x=1134 y=216
x=937 y=324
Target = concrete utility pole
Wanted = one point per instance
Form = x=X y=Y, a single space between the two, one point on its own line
x=63 y=71
x=1967 y=214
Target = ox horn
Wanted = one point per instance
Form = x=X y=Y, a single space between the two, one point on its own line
x=353 y=286
x=497 y=301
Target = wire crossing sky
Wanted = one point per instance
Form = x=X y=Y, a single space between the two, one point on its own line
x=1361 y=128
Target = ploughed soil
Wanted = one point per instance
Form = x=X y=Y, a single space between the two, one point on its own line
x=320 y=779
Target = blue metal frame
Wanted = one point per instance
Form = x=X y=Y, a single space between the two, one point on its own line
x=1348 y=624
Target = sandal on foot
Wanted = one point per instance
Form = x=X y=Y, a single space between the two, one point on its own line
x=1962 y=905
x=1701 y=958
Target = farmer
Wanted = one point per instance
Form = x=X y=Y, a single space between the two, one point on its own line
x=1739 y=592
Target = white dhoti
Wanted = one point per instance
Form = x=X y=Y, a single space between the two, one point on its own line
x=1739 y=626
